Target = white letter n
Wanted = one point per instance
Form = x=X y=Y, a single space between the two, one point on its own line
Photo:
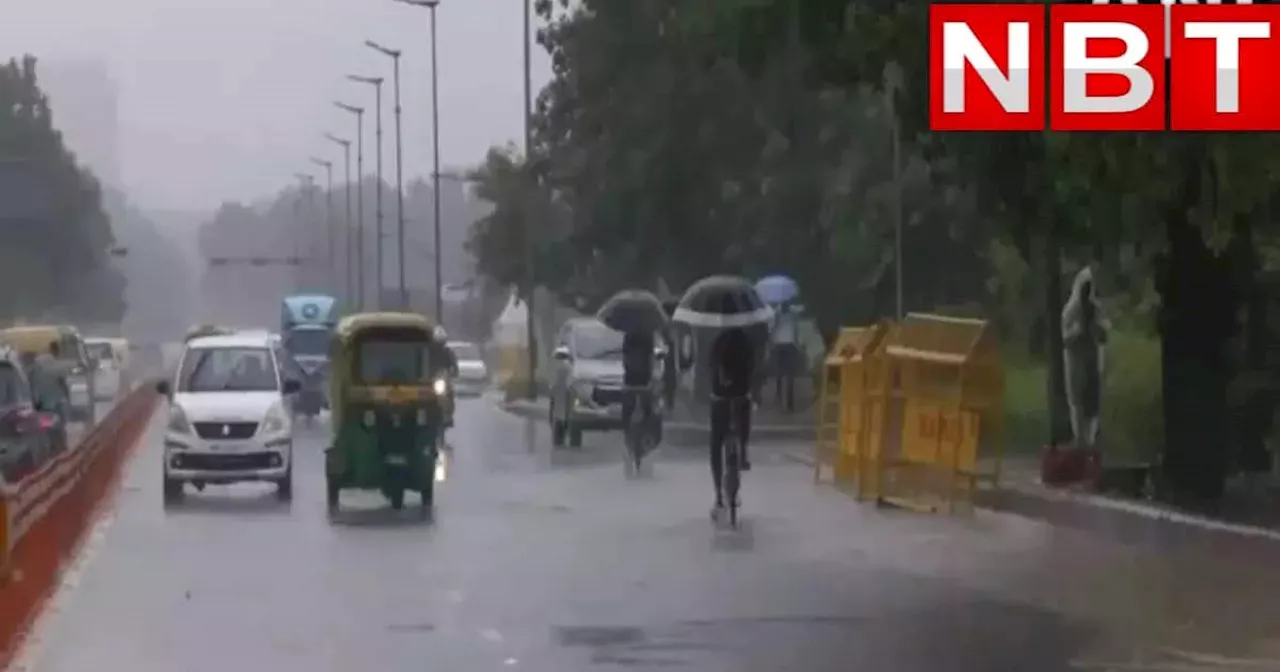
x=961 y=46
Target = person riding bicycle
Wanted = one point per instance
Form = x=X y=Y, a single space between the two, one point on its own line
x=637 y=374
x=733 y=364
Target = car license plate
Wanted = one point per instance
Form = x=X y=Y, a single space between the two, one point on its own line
x=397 y=459
x=222 y=448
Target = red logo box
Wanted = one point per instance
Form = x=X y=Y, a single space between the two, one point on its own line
x=1106 y=68
x=986 y=67
x=1223 y=73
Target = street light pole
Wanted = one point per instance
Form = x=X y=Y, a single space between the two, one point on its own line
x=400 y=239
x=301 y=229
x=359 y=230
x=435 y=147
x=329 y=221
x=346 y=160
x=529 y=258
x=378 y=235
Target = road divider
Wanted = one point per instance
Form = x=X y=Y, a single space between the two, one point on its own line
x=44 y=516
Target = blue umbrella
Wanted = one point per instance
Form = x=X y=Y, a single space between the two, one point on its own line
x=776 y=289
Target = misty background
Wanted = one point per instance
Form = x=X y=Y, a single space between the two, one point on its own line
x=187 y=111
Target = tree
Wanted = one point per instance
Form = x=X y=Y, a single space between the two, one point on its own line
x=57 y=242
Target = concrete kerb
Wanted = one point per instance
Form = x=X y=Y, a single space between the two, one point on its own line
x=1028 y=498
x=685 y=434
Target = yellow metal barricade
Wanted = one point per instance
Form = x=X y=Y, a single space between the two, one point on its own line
x=945 y=383
x=848 y=408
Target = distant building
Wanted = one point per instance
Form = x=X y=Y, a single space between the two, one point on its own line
x=85 y=102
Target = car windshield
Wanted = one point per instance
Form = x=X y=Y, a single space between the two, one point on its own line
x=12 y=389
x=307 y=342
x=99 y=351
x=465 y=351
x=227 y=370
x=596 y=341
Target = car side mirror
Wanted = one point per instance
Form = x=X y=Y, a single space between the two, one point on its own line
x=292 y=386
x=561 y=353
x=164 y=388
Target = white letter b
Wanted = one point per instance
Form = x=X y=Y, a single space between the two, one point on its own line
x=1078 y=64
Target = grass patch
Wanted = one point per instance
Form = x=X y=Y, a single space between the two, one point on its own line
x=1132 y=426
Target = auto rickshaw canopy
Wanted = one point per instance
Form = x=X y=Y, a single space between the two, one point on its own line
x=352 y=327
x=35 y=340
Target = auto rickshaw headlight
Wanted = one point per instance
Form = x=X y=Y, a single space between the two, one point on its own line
x=440 y=386
x=369 y=419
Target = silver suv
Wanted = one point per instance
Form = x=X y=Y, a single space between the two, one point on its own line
x=586 y=391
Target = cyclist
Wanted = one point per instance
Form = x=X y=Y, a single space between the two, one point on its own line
x=733 y=364
x=637 y=375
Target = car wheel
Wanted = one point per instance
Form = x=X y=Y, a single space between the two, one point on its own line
x=173 y=491
x=284 y=487
x=575 y=436
x=557 y=427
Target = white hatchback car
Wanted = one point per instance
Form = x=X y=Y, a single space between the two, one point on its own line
x=473 y=375
x=230 y=417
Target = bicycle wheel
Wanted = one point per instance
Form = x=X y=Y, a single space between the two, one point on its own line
x=731 y=477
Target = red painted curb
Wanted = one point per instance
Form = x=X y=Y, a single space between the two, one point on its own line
x=38 y=559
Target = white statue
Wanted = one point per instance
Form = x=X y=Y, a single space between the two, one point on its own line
x=1084 y=336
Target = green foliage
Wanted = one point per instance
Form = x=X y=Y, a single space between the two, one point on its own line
x=55 y=248
x=1132 y=428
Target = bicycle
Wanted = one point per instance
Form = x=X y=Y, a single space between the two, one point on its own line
x=730 y=462
x=638 y=434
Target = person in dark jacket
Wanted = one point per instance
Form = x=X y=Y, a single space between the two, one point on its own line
x=637 y=374
x=733 y=367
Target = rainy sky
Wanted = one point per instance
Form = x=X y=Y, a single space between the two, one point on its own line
x=227 y=99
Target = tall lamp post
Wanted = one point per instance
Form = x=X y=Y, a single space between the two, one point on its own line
x=346 y=160
x=395 y=68
x=302 y=229
x=329 y=221
x=529 y=257
x=435 y=150
x=376 y=82
x=358 y=233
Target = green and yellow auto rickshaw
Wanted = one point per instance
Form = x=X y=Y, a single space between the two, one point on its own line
x=389 y=392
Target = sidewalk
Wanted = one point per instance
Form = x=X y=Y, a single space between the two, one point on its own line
x=1021 y=493
x=688 y=434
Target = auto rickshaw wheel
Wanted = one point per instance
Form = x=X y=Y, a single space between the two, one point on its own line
x=396 y=496
x=428 y=496
x=575 y=436
x=557 y=428
x=332 y=493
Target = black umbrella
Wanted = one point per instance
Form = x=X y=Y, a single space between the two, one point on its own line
x=721 y=302
x=633 y=311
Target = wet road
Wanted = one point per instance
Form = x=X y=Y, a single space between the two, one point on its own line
x=554 y=561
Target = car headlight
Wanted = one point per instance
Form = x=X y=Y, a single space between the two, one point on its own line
x=178 y=422
x=440 y=386
x=582 y=389
x=275 y=420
